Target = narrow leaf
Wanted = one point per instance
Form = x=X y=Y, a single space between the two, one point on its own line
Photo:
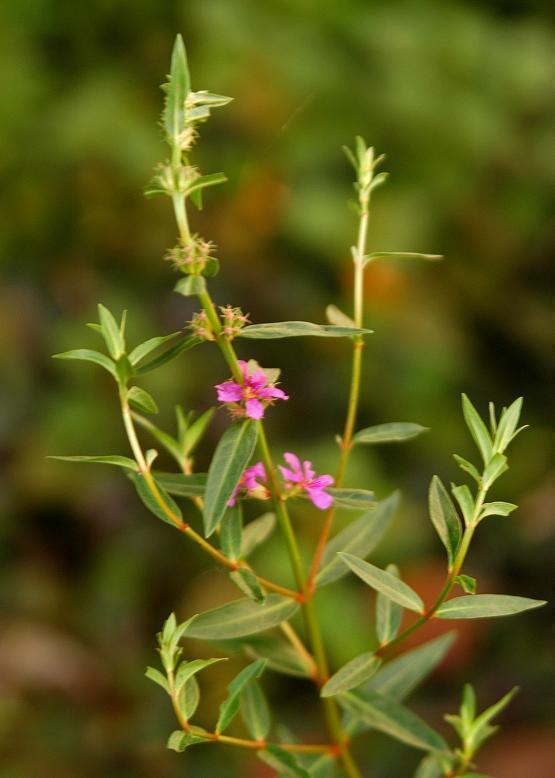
x=507 y=426
x=254 y=711
x=477 y=428
x=177 y=90
x=126 y=462
x=280 y=654
x=141 y=399
x=187 y=670
x=246 y=580
x=394 y=720
x=209 y=180
x=189 y=697
x=338 y=318
x=256 y=532
x=293 y=329
x=495 y=467
x=482 y=606
x=467 y=583
x=360 y=537
x=464 y=497
x=400 y=255
x=497 y=509
x=468 y=467
x=230 y=459
x=242 y=617
x=352 y=499
x=171 y=353
x=429 y=767
x=87 y=355
x=444 y=518
x=155 y=675
x=282 y=761
x=394 y=432
x=383 y=582
x=230 y=706
x=196 y=430
x=353 y=674
x=111 y=332
x=170 y=444
x=144 y=349
x=153 y=505
x=388 y=613
x=231 y=533
x=182 y=485
x=179 y=740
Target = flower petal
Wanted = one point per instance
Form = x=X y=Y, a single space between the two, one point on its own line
x=319 y=498
x=229 y=392
x=293 y=462
x=321 y=481
x=254 y=409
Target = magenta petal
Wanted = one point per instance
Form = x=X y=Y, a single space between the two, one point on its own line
x=321 y=481
x=229 y=392
x=319 y=498
x=254 y=409
x=275 y=393
x=258 y=378
x=289 y=475
x=293 y=462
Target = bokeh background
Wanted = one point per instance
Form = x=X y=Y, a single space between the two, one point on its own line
x=457 y=94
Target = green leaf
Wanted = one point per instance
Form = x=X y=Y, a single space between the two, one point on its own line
x=401 y=675
x=294 y=329
x=480 y=729
x=152 y=503
x=144 y=349
x=242 y=617
x=190 y=286
x=230 y=459
x=196 y=430
x=256 y=532
x=444 y=518
x=338 y=318
x=87 y=355
x=155 y=675
x=189 y=697
x=429 y=767
x=102 y=460
x=141 y=399
x=400 y=255
x=353 y=499
x=483 y=606
x=177 y=90
x=353 y=674
x=468 y=467
x=124 y=370
x=282 y=761
x=497 y=509
x=171 y=353
x=467 y=583
x=393 y=719
x=203 y=181
x=383 y=582
x=179 y=740
x=231 y=533
x=170 y=444
x=230 y=706
x=360 y=537
x=187 y=670
x=111 y=332
x=464 y=497
x=182 y=485
x=495 y=467
x=254 y=711
x=507 y=426
x=388 y=614
x=477 y=428
x=394 y=432
x=246 y=580
x=280 y=654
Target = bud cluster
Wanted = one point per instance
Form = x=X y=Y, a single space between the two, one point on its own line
x=233 y=320
x=200 y=326
x=192 y=257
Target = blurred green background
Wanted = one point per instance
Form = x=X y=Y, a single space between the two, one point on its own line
x=457 y=94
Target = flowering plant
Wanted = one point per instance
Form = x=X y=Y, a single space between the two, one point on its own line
x=368 y=692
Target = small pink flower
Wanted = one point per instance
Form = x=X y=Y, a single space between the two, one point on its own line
x=251 y=397
x=303 y=477
x=250 y=484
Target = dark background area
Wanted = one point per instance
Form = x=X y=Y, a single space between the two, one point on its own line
x=457 y=94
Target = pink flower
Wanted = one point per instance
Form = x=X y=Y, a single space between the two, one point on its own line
x=302 y=477
x=250 y=483
x=251 y=397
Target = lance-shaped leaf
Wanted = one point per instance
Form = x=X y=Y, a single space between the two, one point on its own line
x=191 y=432
x=187 y=670
x=484 y=606
x=360 y=537
x=477 y=428
x=189 y=697
x=141 y=399
x=230 y=706
x=88 y=355
x=155 y=675
x=177 y=89
x=230 y=459
x=444 y=518
x=242 y=617
x=394 y=432
x=468 y=467
x=400 y=255
x=169 y=354
x=507 y=426
x=162 y=507
x=282 y=761
x=111 y=332
x=256 y=532
x=388 y=613
x=179 y=741
x=231 y=533
x=464 y=497
x=203 y=181
x=255 y=711
x=181 y=484
x=126 y=462
x=167 y=441
x=246 y=580
x=281 y=655
x=338 y=318
x=144 y=349
x=497 y=509
x=393 y=719
x=495 y=467
x=467 y=583
x=294 y=329
x=353 y=674
x=383 y=582
x=352 y=499
x=429 y=767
